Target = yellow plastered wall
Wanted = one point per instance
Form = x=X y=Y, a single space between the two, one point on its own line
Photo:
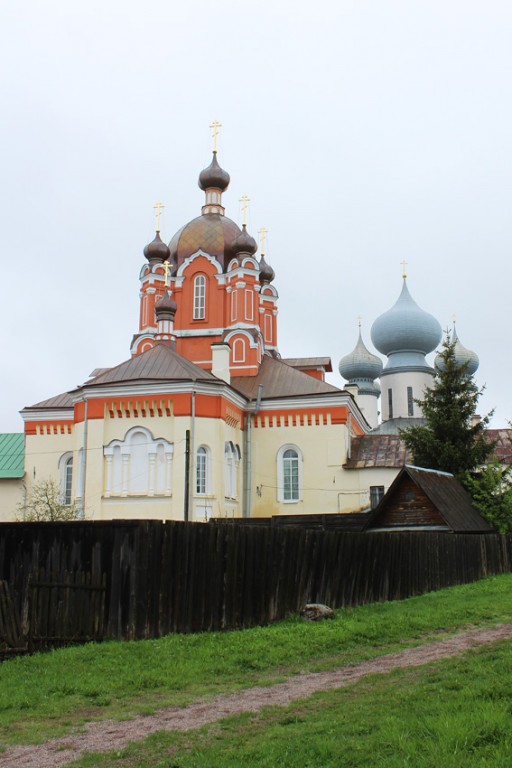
x=324 y=481
x=363 y=479
x=210 y=432
x=11 y=495
x=43 y=453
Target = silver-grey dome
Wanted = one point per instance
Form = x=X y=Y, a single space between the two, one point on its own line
x=406 y=328
x=360 y=363
x=463 y=356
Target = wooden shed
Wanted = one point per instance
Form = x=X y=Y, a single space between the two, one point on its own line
x=427 y=500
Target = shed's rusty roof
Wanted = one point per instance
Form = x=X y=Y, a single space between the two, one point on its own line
x=503 y=439
x=280 y=380
x=447 y=495
x=377 y=451
x=382 y=450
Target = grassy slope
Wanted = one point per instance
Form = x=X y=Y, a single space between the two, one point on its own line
x=450 y=714
x=45 y=694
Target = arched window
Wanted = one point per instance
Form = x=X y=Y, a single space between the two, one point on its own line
x=139 y=465
x=202 y=470
x=69 y=481
x=289 y=474
x=231 y=459
x=199 y=297
x=66 y=477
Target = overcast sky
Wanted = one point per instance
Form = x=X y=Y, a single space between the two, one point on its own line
x=364 y=132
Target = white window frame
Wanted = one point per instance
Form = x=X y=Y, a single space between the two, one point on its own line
x=234 y=305
x=268 y=328
x=285 y=495
x=249 y=305
x=231 y=461
x=199 y=297
x=66 y=478
x=239 y=343
x=377 y=493
x=203 y=474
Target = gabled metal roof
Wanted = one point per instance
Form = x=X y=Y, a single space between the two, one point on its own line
x=160 y=363
x=12 y=455
x=309 y=362
x=280 y=380
x=58 y=401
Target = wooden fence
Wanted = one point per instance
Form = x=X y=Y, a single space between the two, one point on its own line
x=143 y=579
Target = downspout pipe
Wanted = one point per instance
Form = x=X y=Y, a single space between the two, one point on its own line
x=192 y=462
x=248 y=456
x=81 y=512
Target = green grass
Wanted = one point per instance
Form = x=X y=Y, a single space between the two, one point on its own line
x=44 y=695
x=452 y=714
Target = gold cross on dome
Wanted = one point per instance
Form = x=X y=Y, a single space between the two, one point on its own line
x=167 y=266
x=262 y=232
x=244 y=200
x=404 y=271
x=215 y=127
x=158 y=206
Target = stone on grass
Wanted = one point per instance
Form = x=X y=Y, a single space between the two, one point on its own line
x=316 y=612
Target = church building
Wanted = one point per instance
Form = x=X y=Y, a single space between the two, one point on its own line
x=205 y=418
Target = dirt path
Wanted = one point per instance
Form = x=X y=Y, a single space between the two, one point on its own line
x=108 y=735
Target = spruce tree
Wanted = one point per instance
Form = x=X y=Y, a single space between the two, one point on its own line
x=452 y=439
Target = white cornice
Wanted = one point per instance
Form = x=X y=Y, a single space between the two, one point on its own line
x=148 y=389
x=47 y=414
x=199 y=332
x=241 y=272
x=322 y=400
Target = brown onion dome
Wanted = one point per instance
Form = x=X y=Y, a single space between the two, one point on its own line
x=211 y=233
x=267 y=274
x=165 y=305
x=157 y=250
x=244 y=243
x=214 y=176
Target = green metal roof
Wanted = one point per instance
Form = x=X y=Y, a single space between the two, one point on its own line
x=12 y=455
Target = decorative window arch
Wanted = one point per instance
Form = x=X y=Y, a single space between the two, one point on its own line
x=203 y=470
x=66 y=477
x=289 y=474
x=199 y=312
x=138 y=465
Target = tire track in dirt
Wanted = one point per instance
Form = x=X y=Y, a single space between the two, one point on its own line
x=106 y=735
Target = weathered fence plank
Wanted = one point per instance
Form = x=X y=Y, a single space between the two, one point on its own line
x=12 y=640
